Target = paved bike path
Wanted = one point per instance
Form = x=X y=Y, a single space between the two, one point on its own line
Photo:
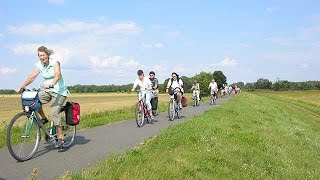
x=91 y=145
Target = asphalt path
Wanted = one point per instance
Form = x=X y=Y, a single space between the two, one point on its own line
x=91 y=146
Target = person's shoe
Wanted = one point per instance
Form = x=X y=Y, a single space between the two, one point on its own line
x=60 y=143
x=44 y=121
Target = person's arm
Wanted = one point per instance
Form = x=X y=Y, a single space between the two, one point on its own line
x=57 y=76
x=149 y=83
x=134 y=85
x=168 y=85
x=180 y=83
x=209 y=86
x=198 y=86
x=29 y=79
x=156 y=84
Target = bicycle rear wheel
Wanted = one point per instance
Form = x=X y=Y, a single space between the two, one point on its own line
x=23 y=136
x=139 y=112
x=68 y=131
x=171 y=110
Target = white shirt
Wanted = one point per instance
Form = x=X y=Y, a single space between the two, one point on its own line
x=213 y=86
x=175 y=83
x=145 y=84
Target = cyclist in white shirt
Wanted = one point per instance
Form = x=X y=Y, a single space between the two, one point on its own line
x=145 y=88
x=214 y=89
x=173 y=83
x=196 y=89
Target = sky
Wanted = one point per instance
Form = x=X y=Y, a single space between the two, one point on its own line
x=106 y=42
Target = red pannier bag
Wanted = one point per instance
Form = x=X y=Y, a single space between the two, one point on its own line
x=184 y=101
x=72 y=110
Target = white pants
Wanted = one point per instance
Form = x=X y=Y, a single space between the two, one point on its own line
x=149 y=96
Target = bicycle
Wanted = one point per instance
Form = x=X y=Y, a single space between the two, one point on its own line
x=141 y=110
x=196 y=100
x=174 y=108
x=154 y=102
x=213 y=98
x=23 y=133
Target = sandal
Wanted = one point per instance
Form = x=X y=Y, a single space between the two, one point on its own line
x=59 y=143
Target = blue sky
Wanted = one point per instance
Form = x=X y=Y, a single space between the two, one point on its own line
x=106 y=42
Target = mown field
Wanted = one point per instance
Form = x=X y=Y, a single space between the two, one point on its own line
x=253 y=136
x=90 y=103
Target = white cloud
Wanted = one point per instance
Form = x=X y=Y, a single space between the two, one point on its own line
x=304 y=66
x=306 y=36
x=56 y=1
x=25 y=49
x=272 y=9
x=226 y=62
x=7 y=70
x=67 y=26
x=156 y=45
x=1 y=35
x=114 y=63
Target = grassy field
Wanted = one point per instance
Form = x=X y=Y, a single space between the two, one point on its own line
x=253 y=136
x=90 y=103
x=311 y=97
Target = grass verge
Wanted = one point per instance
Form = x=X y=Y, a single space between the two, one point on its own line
x=249 y=137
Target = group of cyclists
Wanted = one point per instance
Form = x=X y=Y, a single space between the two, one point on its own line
x=54 y=89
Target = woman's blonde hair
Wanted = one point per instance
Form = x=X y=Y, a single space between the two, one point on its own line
x=44 y=49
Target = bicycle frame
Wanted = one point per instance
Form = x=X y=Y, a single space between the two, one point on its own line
x=32 y=119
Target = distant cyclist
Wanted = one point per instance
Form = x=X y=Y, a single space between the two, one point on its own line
x=155 y=91
x=213 y=90
x=176 y=83
x=196 y=89
x=154 y=82
x=145 y=88
x=54 y=88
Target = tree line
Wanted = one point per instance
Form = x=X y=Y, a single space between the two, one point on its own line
x=203 y=78
x=280 y=85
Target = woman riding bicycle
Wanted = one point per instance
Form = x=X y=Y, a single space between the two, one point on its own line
x=53 y=89
x=213 y=90
x=145 y=88
x=196 y=90
x=176 y=83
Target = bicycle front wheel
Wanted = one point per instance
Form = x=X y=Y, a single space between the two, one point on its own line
x=171 y=110
x=139 y=113
x=23 y=136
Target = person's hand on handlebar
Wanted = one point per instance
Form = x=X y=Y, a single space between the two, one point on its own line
x=19 y=90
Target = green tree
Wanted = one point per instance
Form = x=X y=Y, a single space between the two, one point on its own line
x=240 y=84
x=220 y=78
x=263 y=84
x=249 y=86
x=187 y=83
x=204 y=80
